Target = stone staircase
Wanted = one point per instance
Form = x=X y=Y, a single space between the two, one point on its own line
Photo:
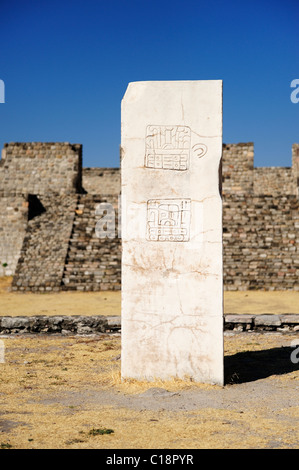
x=42 y=258
x=92 y=263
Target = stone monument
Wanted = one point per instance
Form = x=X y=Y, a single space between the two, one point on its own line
x=172 y=282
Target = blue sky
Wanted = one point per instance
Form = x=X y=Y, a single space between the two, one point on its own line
x=66 y=65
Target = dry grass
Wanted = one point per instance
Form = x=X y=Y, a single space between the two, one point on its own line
x=59 y=303
x=109 y=303
x=259 y=302
x=55 y=390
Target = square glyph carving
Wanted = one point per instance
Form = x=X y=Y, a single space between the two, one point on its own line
x=168 y=220
x=167 y=147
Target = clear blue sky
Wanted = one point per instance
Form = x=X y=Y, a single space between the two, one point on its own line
x=66 y=65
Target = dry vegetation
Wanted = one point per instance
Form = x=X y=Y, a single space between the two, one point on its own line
x=108 y=303
x=66 y=392
x=63 y=392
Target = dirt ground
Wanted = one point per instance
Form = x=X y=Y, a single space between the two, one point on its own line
x=65 y=392
x=108 y=303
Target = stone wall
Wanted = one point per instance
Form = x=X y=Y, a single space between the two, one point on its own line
x=93 y=263
x=238 y=175
x=295 y=166
x=260 y=242
x=237 y=168
x=13 y=223
x=48 y=226
x=94 y=324
x=273 y=181
x=44 y=250
x=101 y=180
x=40 y=168
x=62 y=249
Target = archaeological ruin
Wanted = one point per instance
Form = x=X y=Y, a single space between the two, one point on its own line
x=50 y=207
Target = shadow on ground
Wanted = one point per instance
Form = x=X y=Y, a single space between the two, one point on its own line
x=249 y=366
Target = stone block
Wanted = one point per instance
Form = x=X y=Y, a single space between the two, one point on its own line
x=267 y=320
x=172 y=313
x=289 y=319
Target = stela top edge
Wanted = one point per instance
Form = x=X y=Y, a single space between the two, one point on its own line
x=139 y=86
x=172 y=82
x=175 y=81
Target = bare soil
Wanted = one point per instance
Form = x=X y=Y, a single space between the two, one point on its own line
x=55 y=390
x=109 y=303
x=62 y=392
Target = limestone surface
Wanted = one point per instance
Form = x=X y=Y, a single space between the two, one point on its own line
x=172 y=285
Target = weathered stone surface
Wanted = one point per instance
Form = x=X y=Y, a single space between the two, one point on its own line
x=98 y=181
x=16 y=322
x=77 y=324
x=45 y=246
x=289 y=319
x=172 y=231
x=41 y=168
x=244 y=318
x=54 y=324
x=114 y=321
x=267 y=320
x=13 y=223
x=259 y=252
x=38 y=181
x=92 y=263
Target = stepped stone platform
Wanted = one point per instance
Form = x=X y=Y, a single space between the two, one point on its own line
x=92 y=263
x=48 y=219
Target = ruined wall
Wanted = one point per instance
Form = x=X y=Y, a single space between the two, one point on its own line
x=42 y=257
x=13 y=223
x=260 y=242
x=40 y=168
x=237 y=168
x=101 y=180
x=61 y=249
x=31 y=174
x=274 y=181
x=295 y=166
x=260 y=222
x=238 y=175
x=93 y=263
x=48 y=226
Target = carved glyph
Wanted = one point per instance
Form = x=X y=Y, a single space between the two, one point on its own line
x=169 y=147
x=168 y=220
